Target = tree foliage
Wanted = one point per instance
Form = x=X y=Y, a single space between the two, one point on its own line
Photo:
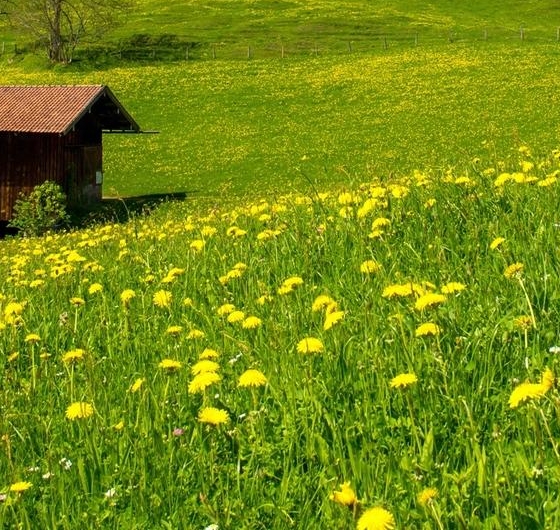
x=42 y=210
x=60 y=25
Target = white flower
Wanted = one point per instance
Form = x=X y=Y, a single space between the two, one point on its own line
x=65 y=463
x=212 y=527
x=554 y=349
x=110 y=493
x=233 y=360
x=47 y=475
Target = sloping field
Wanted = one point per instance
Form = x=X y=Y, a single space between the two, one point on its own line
x=258 y=126
x=380 y=357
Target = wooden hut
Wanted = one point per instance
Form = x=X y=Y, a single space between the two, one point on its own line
x=55 y=133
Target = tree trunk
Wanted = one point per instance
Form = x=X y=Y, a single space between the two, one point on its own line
x=56 y=44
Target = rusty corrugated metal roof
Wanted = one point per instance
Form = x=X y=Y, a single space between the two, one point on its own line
x=50 y=109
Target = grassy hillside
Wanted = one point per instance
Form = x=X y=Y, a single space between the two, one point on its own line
x=263 y=20
x=258 y=126
x=385 y=352
x=331 y=25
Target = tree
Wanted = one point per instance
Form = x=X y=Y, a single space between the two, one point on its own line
x=41 y=210
x=60 y=25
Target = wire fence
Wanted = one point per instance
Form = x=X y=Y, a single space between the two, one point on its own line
x=163 y=48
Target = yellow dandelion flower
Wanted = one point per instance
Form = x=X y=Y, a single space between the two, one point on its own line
x=289 y=284
x=13 y=309
x=195 y=334
x=321 y=302
x=213 y=416
x=32 y=338
x=225 y=309
x=428 y=328
x=235 y=231
x=345 y=496
x=13 y=356
x=548 y=181
x=251 y=322
x=429 y=300
x=403 y=380
x=188 y=302
x=427 y=496
x=370 y=267
x=497 y=242
x=77 y=301
x=119 y=426
x=205 y=365
x=332 y=318
x=162 y=298
x=197 y=245
x=405 y=289
x=20 y=487
x=502 y=178
x=523 y=322
x=514 y=270
x=525 y=392
x=95 y=288
x=127 y=295
x=208 y=231
x=310 y=345
x=174 y=330
x=346 y=198
x=73 y=355
x=236 y=316
x=36 y=283
x=79 y=410
x=453 y=287
x=137 y=385
x=170 y=364
x=526 y=166
x=202 y=381
x=376 y=519
x=547 y=379
x=252 y=378
x=293 y=281
x=380 y=222
x=208 y=353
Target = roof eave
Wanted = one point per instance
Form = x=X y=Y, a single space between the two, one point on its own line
x=104 y=90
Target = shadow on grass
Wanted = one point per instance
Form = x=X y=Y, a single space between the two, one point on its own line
x=122 y=209
x=114 y=210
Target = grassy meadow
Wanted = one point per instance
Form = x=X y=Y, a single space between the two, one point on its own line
x=351 y=322
x=378 y=356
x=231 y=127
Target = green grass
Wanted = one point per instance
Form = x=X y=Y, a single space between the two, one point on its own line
x=230 y=127
x=265 y=25
x=323 y=419
x=397 y=156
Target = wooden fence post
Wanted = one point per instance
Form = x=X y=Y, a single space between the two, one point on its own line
x=416 y=39
x=282 y=50
x=248 y=52
x=521 y=33
x=485 y=34
x=213 y=51
x=385 y=43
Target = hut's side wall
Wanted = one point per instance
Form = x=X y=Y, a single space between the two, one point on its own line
x=27 y=160
x=74 y=161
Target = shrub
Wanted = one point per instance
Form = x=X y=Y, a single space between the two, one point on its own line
x=41 y=210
